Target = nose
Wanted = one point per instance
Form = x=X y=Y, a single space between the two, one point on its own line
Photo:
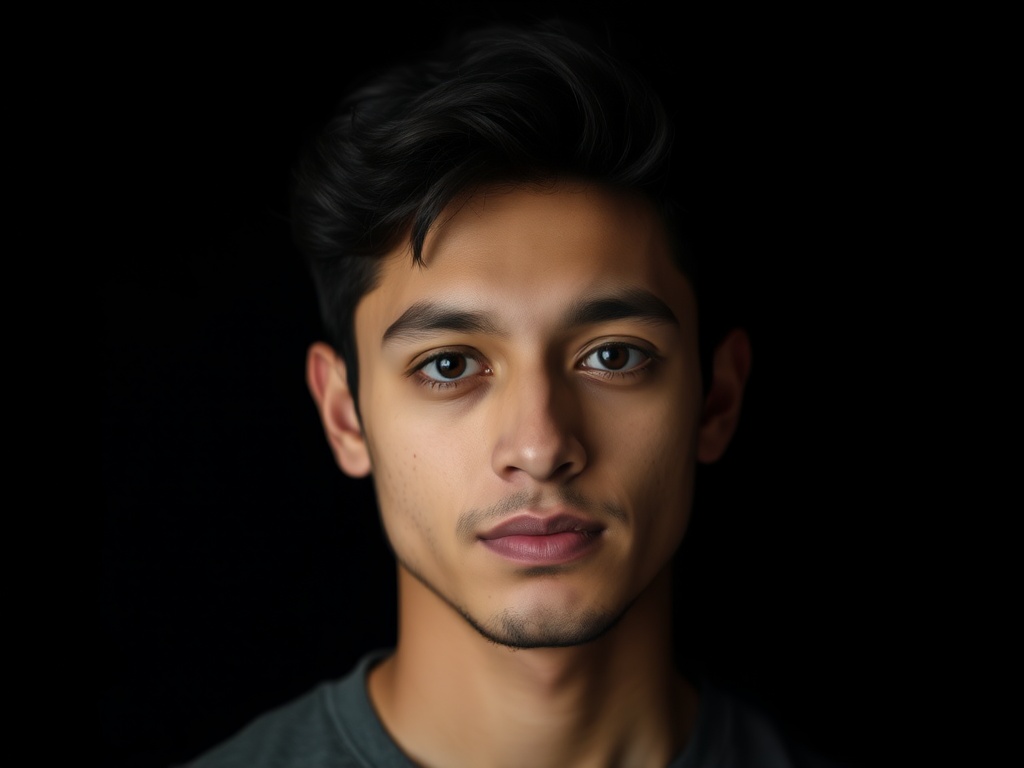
x=538 y=430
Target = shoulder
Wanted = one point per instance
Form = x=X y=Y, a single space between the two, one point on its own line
x=331 y=726
x=734 y=732
x=299 y=733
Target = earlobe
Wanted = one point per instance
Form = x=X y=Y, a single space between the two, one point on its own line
x=328 y=384
x=722 y=405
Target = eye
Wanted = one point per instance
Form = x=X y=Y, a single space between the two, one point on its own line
x=450 y=366
x=616 y=358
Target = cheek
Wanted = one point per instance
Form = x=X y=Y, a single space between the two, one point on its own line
x=654 y=436
x=404 y=491
x=652 y=454
x=666 y=461
x=419 y=482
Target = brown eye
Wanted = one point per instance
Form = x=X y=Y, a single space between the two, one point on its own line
x=449 y=366
x=616 y=358
x=613 y=358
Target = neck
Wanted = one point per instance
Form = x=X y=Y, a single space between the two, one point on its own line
x=451 y=697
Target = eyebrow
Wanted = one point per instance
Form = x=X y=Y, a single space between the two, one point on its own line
x=426 y=317
x=628 y=304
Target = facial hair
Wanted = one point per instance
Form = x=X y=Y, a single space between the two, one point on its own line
x=539 y=629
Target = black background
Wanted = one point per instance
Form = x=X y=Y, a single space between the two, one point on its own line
x=241 y=566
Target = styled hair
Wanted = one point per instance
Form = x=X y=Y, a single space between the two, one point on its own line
x=517 y=104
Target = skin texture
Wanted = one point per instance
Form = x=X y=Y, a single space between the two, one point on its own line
x=542 y=361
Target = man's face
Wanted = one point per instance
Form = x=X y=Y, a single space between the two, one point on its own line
x=530 y=400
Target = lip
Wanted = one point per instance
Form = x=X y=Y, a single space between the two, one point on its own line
x=550 y=540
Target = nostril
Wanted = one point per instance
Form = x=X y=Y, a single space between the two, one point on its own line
x=566 y=469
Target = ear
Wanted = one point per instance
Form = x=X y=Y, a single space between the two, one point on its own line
x=327 y=378
x=730 y=369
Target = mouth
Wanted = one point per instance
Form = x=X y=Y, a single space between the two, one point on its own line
x=551 y=540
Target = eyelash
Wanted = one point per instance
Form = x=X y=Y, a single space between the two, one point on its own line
x=650 y=358
x=642 y=368
x=436 y=384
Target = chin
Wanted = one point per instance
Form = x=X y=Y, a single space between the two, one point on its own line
x=518 y=629
x=541 y=626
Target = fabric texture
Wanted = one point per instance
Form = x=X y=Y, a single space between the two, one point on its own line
x=335 y=726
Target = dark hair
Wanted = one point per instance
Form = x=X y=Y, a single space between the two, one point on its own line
x=497 y=104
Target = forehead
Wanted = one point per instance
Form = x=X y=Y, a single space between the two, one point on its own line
x=528 y=251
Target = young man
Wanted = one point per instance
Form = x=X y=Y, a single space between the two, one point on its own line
x=515 y=354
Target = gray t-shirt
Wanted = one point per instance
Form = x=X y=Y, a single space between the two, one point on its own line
x=335 y=726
